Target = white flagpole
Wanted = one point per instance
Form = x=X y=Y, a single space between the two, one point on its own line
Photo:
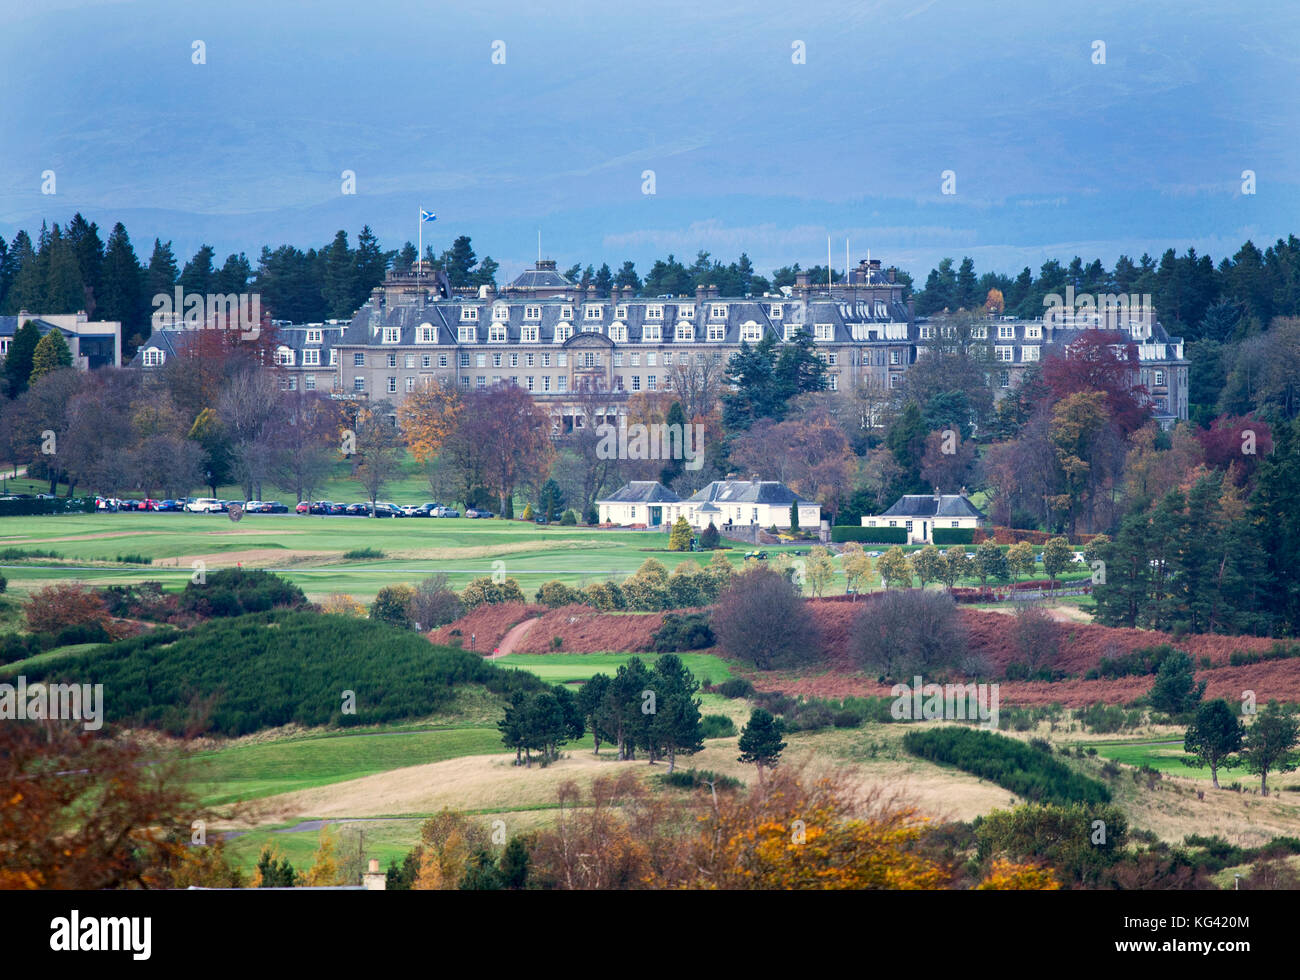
x=419 y=250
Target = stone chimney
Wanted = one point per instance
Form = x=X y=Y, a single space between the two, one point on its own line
x=700 y=293
x=628 y=293
x=801 y=289
x=713 y=291
x=374 y=879
x=489 y=292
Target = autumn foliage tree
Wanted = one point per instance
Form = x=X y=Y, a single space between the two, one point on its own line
x=79 y=810
x=1092 y=363
x=427 y=416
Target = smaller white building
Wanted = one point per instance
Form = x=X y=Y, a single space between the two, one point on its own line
x=722 y=503
x=920 y=514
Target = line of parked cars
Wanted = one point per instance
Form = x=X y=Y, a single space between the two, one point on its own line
x=212 y=505
x=381 y=508
x=194 y=505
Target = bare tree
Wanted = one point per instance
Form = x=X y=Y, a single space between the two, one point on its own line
x=761 y=617
x=248 y=405
x=379 y=446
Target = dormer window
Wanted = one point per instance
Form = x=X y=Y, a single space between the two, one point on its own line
x=563 y=331
x=717 y=332
x=776 y=312
x=823 y=331
x=655 y=311
x=314 y=336
x=620 y=311
x=751 y=332
x=595 y=312
x=497 y=333
x=467 y=334
x=532 y=312
x=882 y=311
x=718 y=311
x=501 y=314
x=528 y=334
x=153 y=357
x=686 y=310
x=284 y=357
x=426 y=333
x=1006 y=332
x=618 y=333
x=392 y=335
x=566 y=312
x=685 y=331
x=652 y=333
x=792 y=330
x=469 y=313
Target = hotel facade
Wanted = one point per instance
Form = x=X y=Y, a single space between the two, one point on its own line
x=561 y=342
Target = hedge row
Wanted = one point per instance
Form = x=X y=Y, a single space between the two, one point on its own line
x=954 y=535
x=1013 y=765
x=871 y=535
x=39 y=507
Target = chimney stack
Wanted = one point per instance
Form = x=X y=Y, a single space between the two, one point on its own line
x=801 y=289
x=374 y=880
x=713 y=291
x=701 y=292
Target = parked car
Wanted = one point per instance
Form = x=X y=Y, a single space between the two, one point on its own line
x=320 y=506
x=204 y=505
x=385 y=508
x=474 y=512
x=303 y=508
x=275 y=507
x=446 y=512
x=101 y=503
x=168 y=505
x=251 y=506
x=357 y=510
x=337 y=509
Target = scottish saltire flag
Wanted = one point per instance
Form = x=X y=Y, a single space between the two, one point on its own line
x=428 y=216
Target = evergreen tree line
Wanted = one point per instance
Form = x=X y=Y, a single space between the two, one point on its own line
x=650 y=708
x=1195 y=298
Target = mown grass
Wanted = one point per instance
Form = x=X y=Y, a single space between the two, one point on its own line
x=572 y=668
x=247 y=772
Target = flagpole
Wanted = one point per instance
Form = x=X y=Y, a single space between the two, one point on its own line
x=419 y=251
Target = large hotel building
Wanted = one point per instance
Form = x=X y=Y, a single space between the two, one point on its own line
x=557 y=340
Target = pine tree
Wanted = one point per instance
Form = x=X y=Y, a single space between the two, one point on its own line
x=18 y=362
x=1213 y=737
x=200 y=275
x=63 y=290
x=680 y=537
x=513 y=864
x=1269 y=742
x=760 y=741
x=51 y=354
x=124 y=282
x=25 y=288
x=709 y=538
x=163 y=273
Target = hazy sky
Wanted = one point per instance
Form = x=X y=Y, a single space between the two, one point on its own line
x=1053 y=155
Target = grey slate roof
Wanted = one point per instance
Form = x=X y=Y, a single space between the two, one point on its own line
x=928 y=505
x=642 y=492
x=446 y=315
x=747 y=492
x=9 y=325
